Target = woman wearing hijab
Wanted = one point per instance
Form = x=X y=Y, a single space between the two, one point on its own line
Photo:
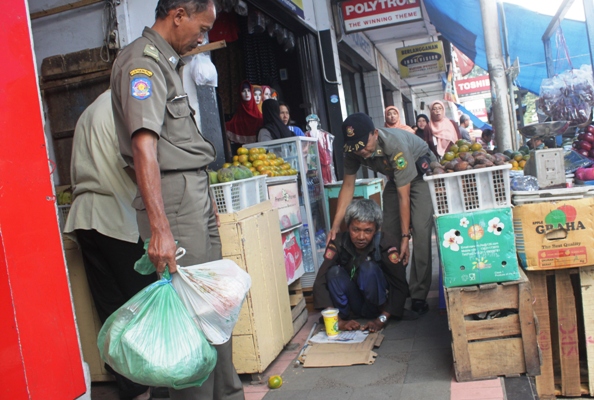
x=422 y=121
x=392 y=116
x=440 y=132
x=273 y=127
x=243 y=127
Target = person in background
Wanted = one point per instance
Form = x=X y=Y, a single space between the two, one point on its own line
x=486 y=139
x=403 y=158
x=392 y=116
x=440 y=132
x=274 y=127
x=422 y=121
x=285 y=116
x=464 y=124
x=103 y=221
x=536 y=144
x=159 y=138
x=359 y=267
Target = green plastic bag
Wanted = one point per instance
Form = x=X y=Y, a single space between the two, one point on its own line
x=153 y=340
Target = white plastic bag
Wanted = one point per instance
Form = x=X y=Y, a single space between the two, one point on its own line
x=203 y=70
x=213 y=293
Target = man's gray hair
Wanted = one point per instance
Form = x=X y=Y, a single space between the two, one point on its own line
x=464 y=118
x=364 y=210
x=191 y=6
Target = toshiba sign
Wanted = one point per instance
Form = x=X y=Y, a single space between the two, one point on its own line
x=361 y=15
x=479 y=84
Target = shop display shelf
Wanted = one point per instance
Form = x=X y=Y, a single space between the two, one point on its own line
x=237 y=195
x=472 y=190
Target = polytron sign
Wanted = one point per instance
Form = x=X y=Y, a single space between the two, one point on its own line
x=361 y=15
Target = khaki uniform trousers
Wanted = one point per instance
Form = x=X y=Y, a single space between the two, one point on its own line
x=193 y=224
x=421 y=217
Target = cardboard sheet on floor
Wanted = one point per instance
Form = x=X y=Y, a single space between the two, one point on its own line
x=342 y=355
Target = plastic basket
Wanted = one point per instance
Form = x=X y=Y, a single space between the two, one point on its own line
x=63 y=215
x=471 y=190
x=237 y=195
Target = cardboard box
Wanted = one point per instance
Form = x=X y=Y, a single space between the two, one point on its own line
x=285 y=198
x=477 y=247
x=341 y=354
x=554 y=235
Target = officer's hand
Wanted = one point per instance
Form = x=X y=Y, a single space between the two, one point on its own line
x=161 y=251
x=350 y=325
x=331 y=235
x=216 y=212
x=404 y=251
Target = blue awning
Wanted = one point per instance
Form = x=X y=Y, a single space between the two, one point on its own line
x=461 y=23
x=476 y=121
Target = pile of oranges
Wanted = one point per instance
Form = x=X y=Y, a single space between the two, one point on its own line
x=261 y=163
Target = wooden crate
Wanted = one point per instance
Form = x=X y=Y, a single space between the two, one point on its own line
x=251 y=237
x=564 y=305
x=299 y=312
x=489 y=348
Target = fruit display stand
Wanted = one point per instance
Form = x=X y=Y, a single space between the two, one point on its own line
x=251 y=238
x=302 y=155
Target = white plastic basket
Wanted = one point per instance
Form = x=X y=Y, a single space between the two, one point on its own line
x=471 y=190
x=237 y=195
x=63 y=215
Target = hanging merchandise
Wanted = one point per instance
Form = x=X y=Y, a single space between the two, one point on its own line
x=325 y=147
x=282 y=36
x=256 y=22
x=203 y=70
x=289 y=43
x=243 y=127
x=568 y=96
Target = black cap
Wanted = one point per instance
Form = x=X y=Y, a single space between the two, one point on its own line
x=355 y=130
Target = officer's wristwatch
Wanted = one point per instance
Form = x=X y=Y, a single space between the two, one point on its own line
x=383 y=319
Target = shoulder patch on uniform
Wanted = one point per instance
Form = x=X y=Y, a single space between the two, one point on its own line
x=393 y=255
x=142 y=71
x=330 y=252
x=151 y=51
x=141 y=88
x=400 y=161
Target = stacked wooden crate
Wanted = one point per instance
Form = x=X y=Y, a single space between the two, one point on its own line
x=298 y=310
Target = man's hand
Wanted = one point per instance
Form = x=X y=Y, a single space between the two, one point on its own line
x=216 y=210
x=162 y=250
x=373 y=326
x=404 y=251
x=331 y=235
x=350 y=325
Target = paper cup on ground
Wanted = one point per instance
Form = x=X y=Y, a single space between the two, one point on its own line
x=331 y=321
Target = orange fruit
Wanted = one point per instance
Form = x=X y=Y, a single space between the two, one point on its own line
x=252 y=169
x=247 y=164
x=236 y=163
x=253 y=157
x=271 y=173
x=261 y=168
x=242 y=150
x=272 y=156
x=254 y=150
x=227 y=165
x=257 y=163
x=262 y=157
x=275 y=381
x=261 y=150
x=235 y=158
x=242 y=158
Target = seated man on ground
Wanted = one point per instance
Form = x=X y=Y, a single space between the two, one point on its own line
x=362 y=274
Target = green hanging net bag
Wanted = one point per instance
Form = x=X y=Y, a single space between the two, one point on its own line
x=152 y=340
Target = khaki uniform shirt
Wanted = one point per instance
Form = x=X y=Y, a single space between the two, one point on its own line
x=148 y=93
x=103 y=191
x=395 y=156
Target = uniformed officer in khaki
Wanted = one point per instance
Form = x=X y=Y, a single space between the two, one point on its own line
x=159 y=137
x=406 y=197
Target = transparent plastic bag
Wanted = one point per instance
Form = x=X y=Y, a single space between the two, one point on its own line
x=568 y=96
x=204 y=71
x=523 y=183
x=574 y=160
x=213 y=293
x=153 y=341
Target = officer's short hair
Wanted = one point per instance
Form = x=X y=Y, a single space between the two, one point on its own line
x=364 y=210
x=191 y=6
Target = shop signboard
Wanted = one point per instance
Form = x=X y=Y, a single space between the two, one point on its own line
x=296 y=6
x=471 y=86
x=359 y=15
x=362 y=46
x=422 y=59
